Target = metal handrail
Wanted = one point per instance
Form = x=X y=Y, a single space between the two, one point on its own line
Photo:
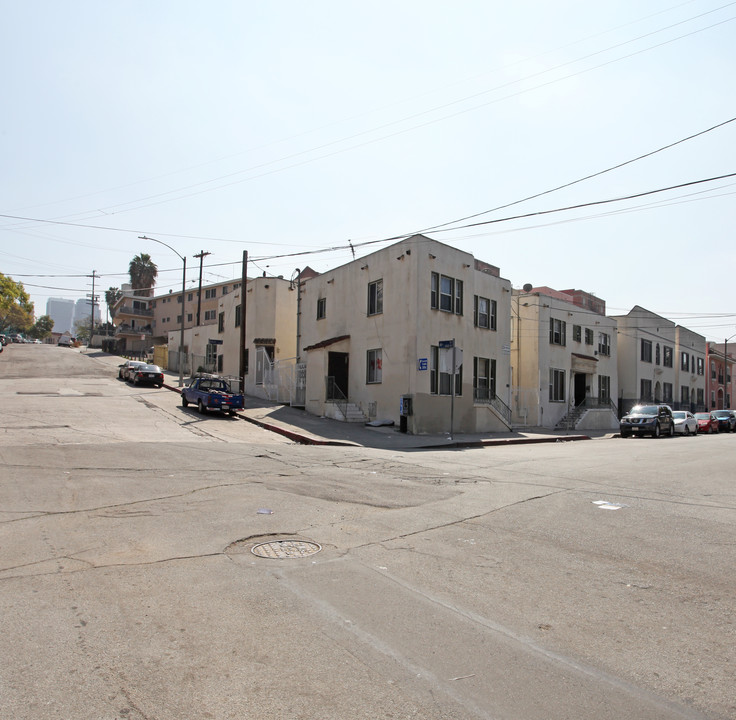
x=334 y=394
x=487 y=396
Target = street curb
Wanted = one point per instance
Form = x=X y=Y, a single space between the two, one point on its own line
x=311 y=440
x=295 y=436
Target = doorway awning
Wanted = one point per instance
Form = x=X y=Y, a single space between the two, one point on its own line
x=326 y=343
x=584 y=363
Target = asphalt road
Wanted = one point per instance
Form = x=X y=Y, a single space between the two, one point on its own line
x=478 y=583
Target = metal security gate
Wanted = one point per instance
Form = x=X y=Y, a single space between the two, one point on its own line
x=299 y=397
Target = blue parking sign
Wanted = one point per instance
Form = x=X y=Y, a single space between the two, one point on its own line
x=422 y=364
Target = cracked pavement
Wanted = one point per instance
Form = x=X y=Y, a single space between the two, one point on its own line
x=451 y=584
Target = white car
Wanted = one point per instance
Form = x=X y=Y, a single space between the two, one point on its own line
x=685 y=422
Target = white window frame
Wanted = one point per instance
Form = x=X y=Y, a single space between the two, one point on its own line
x=556 y=385
x=375 y=297
x=374 y=366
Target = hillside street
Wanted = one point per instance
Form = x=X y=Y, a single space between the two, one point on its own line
x=478 y=582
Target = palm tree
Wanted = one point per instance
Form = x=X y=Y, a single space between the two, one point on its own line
x=112 y=295
x=143 y=272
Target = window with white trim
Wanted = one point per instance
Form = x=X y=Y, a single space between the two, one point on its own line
x=321 y=308
x=484 y=379
x=439 y=380
x=484 y=312
x=604 y=344
x=446 y=294
x=556 y=385
x=375 y=297
x=646 y=351
x=374 y=362
x=557 y=332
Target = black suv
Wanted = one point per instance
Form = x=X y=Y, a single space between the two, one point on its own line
x=654 y=420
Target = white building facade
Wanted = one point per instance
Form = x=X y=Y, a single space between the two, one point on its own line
x=563 y=355
x=659 y=361
x=376 y=335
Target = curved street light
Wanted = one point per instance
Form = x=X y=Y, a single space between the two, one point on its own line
x=183 y=290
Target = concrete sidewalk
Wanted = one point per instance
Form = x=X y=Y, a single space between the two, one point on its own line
x=301 y=427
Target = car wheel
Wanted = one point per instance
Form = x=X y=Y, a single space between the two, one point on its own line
x=200 y=406
x=159 y=386
x=672 y=429
x=686 y=430
x=625 y=435
x=184 y=401
x=657 y=431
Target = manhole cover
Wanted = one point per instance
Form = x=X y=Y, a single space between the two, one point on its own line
x=285 y=549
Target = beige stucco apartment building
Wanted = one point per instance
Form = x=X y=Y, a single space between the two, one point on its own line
x=270 y=335
x=659 y=361
x=167 y=308
x=563 y=355
x=373 y=330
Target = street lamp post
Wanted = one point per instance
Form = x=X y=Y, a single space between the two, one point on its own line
x=183 y=289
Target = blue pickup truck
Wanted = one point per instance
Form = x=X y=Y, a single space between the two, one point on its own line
x=211 y=393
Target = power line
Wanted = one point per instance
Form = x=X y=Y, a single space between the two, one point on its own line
x=583 y=179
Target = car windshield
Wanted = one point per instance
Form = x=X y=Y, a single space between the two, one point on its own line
x=702 y=416
x=679 y=415
x=644 y=410
x=722 y=414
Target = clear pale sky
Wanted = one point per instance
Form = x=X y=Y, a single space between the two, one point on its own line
x=292 y=127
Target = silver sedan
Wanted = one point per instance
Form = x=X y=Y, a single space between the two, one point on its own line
x=685 y=422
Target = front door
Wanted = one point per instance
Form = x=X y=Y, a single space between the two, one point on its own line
x=579 y=388
x=337 y=368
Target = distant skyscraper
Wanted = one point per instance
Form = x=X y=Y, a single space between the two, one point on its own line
x=61 y=311
x=82 y=311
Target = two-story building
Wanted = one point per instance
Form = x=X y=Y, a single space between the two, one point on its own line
x=416 y=333
x=199 y=310
x=659 y=361
x=563 y=358
x=270 y=337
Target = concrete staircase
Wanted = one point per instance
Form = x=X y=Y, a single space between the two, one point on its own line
x=570 y=420
x=345 y=412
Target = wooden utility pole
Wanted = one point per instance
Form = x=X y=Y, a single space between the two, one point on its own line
x=202 y=255
x=243 y=294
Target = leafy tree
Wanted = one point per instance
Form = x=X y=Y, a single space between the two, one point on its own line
x=81 y=329
x=42 y=328
x=112 y=295
x=143 y=273
x=16 y=308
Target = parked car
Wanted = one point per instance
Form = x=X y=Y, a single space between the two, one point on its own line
x=685 y=422
x=211 y=393
x=146 y=375
x=707 y=422
x=126 y=367
x=654 y=420
x=726 y=420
